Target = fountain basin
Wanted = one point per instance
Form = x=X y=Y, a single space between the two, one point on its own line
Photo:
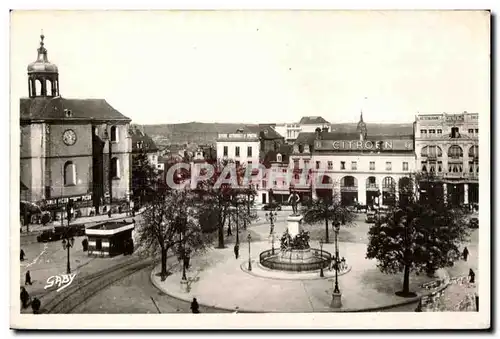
x=303 y=260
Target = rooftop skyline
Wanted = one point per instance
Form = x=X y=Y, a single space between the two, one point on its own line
x=258 y=66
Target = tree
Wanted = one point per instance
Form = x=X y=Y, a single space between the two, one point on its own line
x=144 y=176
x=327 y=208
x=419 y=236
x=215 y=198
x=170 y=223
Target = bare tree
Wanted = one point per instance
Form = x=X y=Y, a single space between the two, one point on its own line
x=168 y=222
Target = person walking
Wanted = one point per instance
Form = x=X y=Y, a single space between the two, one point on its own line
x=236 y=251
x=35 y=305
x=22 y=255
x=465 y=253
x=25 y=297
x=27 y=280
x=195 y=308
x=472 y=276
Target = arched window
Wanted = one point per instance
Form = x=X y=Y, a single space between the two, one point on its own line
x=474 y=151
x=455 y=152
x=115 y=168
x=431 y=151
x=114 y=134
x=38 y=87
x=388 y=184
x=48 y=85
x=69 y=174
x=278 y=157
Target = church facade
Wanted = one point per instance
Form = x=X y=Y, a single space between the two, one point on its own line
x=75 y=151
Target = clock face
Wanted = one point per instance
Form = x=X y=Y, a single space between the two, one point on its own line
x=69 y=137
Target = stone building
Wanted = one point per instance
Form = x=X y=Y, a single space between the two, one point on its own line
x=447 y=146
x=74 y=150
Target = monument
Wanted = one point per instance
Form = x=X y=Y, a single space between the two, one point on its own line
x=295 y=253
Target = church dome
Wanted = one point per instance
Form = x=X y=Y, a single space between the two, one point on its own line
x=42 y=64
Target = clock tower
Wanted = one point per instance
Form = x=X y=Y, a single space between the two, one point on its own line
x=74 y=150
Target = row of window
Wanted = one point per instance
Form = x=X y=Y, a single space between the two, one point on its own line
x=454 y=132
x=473 y=167
x=354 y=165
x=237 y=151
x=454 y=151
x=70 y=174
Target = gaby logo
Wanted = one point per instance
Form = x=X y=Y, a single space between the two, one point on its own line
x=62 y=281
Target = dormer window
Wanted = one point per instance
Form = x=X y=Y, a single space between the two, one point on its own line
x=279 y=157
x=68 y=113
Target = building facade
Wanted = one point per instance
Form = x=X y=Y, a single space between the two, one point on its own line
x=355 y=166
x=141 y=142
x=71 y=150
x=308 y=124
x=240 y=147
x=447 y=146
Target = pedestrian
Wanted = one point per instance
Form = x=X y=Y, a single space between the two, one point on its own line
x=472 y=276
x=195 y=308
x=22 y=255
x=25 y=297
x=109 y=213
x=27 y=280
x=465 y=253
x=236 y=251
x=35 y=305
x=343 y=265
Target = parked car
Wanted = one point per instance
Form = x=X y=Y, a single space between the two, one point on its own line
x=272 y=206
x=74 y=230
x=370 y=216
x=48 y=235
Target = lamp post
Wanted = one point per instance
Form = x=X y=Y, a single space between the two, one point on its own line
x=336 y=295
x=271 y=218
x=249 y=237
x=321 y=273
x=107 y=138
x=184 y=253
x=67 y=243
x=336 y=229
x=272 y=244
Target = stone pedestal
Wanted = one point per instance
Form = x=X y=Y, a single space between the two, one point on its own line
x=336 y=300
x=294 y=224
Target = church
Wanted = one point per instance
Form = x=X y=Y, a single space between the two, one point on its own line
x=72 y=151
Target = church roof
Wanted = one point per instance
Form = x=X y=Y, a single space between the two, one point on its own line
x=57 y=108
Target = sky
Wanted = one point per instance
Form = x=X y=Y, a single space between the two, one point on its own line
x=262 y=66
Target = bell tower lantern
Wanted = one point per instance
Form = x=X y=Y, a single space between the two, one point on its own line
x=43 y=76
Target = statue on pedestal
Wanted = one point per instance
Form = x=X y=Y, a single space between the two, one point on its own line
x=294 y=199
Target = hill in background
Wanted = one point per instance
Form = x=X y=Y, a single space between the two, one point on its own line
x=206 y=133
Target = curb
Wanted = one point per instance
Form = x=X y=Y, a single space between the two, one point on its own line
x=243 y=264
x=346 y=310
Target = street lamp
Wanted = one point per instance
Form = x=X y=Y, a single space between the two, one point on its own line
x=271 y=218
x=107 y=138
x=321 y=274
x=67 y=243
x=249 y=237
x=336 y=229
x=184 y=252
x=272 y=248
